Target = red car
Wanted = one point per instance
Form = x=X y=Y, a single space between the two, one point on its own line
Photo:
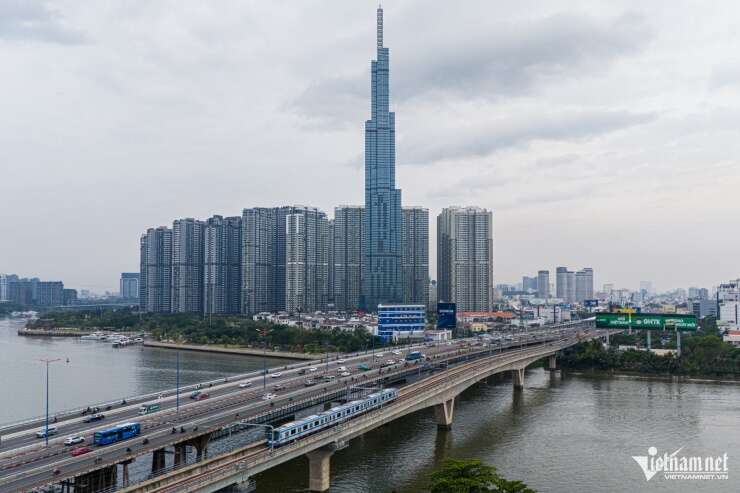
x=202 y=396
x=80 y=450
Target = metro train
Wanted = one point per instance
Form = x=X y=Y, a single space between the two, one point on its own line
x=303 y=427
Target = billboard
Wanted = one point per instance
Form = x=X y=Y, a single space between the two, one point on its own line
x=446 y=315
x=590 y=303
x=645 y=321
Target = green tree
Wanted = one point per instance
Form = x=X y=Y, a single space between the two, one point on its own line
x=472 y=476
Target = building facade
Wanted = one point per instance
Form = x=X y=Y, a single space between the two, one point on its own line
x=50 y=293
x=306 y=260
x=382 y=229
x=399 y=322
x=155 y=289
x=187 y=265
x=415 y=255
x=258 y=260
x=561 y=283
x=222 y=246
x=543 y=283
x=584 y=284
x=129 y=285
x=465 y=258
x=347 y=257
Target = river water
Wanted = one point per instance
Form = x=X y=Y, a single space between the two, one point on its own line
x=561 y=433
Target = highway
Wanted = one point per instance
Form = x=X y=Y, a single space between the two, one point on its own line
x=25 y=462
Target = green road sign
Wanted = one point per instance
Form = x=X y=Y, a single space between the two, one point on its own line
x=646 y=321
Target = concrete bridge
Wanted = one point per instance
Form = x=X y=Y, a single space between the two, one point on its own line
x=234 y=470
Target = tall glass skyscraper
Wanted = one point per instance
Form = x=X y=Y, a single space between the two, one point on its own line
x=382 y=230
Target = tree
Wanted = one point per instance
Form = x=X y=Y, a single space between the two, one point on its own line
x=472 y=476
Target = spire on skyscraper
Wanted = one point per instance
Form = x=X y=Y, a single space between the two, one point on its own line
x=380 y=26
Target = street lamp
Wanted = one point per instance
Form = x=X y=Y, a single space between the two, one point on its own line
x=46 y=432
x=177 y=382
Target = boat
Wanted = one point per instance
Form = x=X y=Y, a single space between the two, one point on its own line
x=95 y=336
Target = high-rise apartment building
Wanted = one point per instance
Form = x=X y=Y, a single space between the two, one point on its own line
x=330 y=290
x=4 y=295
x=584 y=284
x=50 y=293
x=529 y=284
x=465 y=258
x=187 y=265
x=306 y=260
x=347 y=256
x=561 y=282
x=259 y=263
x=543 y=283
x=222 y=246
x=415 y=255
x=129 y=285
x=155 y=289
x=570 y=286
x=382 y=230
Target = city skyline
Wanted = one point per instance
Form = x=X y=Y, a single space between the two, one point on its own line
x=135 y=131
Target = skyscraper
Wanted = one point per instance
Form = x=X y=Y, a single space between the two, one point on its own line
x=584 y=284
x=415 y=255
x=570 y=286
x=543 y=283
x=347 y=256
x=306 y=260
x=561 y=282
x=382 y=242
x=129 y=285
x=222 y=265
x=156 y=270
x=465 y=258
x=187 y=266
x=258 y=260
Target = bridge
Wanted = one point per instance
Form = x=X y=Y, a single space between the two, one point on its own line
x=233 y=408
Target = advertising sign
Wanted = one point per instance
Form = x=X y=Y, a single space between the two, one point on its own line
x=446 y=315
x=646 y=321
x=590 y=303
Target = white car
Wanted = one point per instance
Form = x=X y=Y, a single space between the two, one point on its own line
x=397 y=352
x=244 y=385
x=345 y=374
x=313 y=368
x=276 y=375
x=341 y=361
x=389 y=362
x=342 y=368
x=268 y=397
x=74 y=440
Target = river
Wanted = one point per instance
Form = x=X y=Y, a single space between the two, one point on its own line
x=561 y=433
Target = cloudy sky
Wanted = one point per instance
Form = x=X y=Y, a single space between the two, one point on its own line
x=601 y=133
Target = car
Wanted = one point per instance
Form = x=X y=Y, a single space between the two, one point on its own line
x=244 y=385
x=276 y=375
x=42 y=433
x=160 y=396
x=397 y=352
x=309 y=383
x=80 y=450
x=379 y=355
x=341 y=361
x=389 y=362
x=94 y=417
x=202 y=396
x=329 y=378
x=268 y=397
x=278 y=387
x=302 y=371
x=345 y=374
x=195 y=394
x=199 y=386
x=74 y=440
x=312 y=369
x=342 y=368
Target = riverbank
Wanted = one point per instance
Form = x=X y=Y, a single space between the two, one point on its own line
x=223 y=350
x=663 y=377
x=53 y=332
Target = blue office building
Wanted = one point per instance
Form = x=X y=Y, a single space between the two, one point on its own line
x=383 y=220
x=401 y=321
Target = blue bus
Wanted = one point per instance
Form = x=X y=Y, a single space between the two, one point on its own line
x=117 y=433
x=414 y=355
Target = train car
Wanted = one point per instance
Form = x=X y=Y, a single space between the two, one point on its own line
x=117 y=433
x=303 y=427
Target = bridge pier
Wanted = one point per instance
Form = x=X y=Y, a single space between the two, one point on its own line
x=518 y=378
x=319 y=469
x=443 y=414
x=124 y=470
x=552 y=363
x=181 y=454
x=96 y=480
x=158 y=462
x=201 y=445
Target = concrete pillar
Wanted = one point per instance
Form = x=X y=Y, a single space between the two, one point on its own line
x=552 y=363
x=319 y=470
x=180 y=454
x=518 y=378
x=158 y=460
x=125 y=471
x=443 y=414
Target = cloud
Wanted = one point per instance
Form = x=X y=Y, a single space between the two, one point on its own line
x=508 y=59
x=492 y=136
x=33 y=20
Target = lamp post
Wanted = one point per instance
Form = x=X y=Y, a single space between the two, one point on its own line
x=46 y=430
x=264 y=359
x=177 y=382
